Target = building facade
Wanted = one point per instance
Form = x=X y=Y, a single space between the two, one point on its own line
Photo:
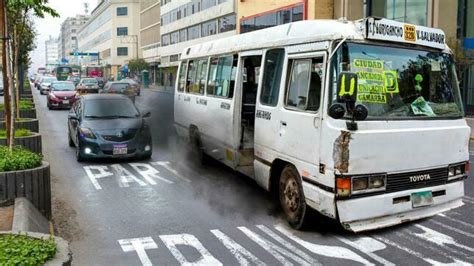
x=51 y=53
x=188 y=22
x=150 y=37
x=466 y=40
x=68 y=42
x=112 y=31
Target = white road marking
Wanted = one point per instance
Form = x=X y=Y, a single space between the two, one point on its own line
x=167 y=166
x=240 y=253
x=456 y=220
x=468 y=200
x=323 y=250
x=171 y=241
x=459 y=231
x=419 y=255
x=368 y=246
x=149 y=173
x=125 y=177
x=102 y=171
x=439 y=239
x=139 y=245
x=278 y=252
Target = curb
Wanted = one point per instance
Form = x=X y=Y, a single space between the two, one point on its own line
x=27 y=218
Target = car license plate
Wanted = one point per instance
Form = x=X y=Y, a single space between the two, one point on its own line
x=120 y=149
x=420 y=199
x=66 y=102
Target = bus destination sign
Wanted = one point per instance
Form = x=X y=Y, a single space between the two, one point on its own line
x=394 y=31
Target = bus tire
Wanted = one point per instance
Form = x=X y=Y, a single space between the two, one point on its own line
x=197 y=149
x=292 y=197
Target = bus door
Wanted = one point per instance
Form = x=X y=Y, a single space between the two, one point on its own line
x=300 y=117
x=250 y=63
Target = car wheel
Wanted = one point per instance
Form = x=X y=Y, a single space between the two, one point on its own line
x=291 y=196
x=71 y=142
x=79 y=156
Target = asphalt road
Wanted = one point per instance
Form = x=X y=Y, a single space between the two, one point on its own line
x=168 y=211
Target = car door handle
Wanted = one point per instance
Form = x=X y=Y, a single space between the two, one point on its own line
x=283 y=123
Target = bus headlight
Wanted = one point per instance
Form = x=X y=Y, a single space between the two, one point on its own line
x=458 y=171
x=368 y=184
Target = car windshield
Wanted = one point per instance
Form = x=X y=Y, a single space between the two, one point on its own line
x=49 y=80
x=110 y=108
x=131 y=81
x=400 y=83
x=66 y=86
x=118 y=87
x=89 y=81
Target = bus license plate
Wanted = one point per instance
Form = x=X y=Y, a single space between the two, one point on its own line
x=120 y=149
x=420 y=199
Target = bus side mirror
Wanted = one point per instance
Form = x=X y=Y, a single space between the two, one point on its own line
x=337 y=111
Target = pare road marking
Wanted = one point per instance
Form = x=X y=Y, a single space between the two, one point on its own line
x=139 y=245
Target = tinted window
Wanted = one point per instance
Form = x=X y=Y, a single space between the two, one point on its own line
x=304 y=84
x=221 y=80
x=272 y=76
x=118 y=87
x=122 y=51
x=122 y=11
x=209 y=28
x=63 y=86
x=121 y=31
x=182 y=76
x=89 y=81
x=227 y=23
x=109 y=108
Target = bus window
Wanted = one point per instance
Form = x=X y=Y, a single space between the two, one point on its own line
x=221 y=80
x=182 y=76
x=272 y=76
x=196 y=76
x=191 y=76
x=201 y=75
x=304 y=85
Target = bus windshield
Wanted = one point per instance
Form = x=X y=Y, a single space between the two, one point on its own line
x=400 y=83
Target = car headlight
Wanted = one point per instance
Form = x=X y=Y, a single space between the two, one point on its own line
x=86 y=133
x=354 y=185
x=458 y=171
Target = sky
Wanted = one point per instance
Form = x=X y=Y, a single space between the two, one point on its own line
x=51 y=26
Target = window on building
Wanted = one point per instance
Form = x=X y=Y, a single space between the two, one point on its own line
x=194 y=32
x=227 y=23
x=265 y=21
x=182 y=76
x=122 y=11
x=165 y=40
x=410 y=11
x=272 y=76
x=208 y=3
x=122 y=51
x=209 y=28
x=122 y=31
x=73 y=38
x=297 y=13
x=304 y=84
x=182 y=35
x=221 y=77
x=174 y=37
x=279 y=17
x=73 y=30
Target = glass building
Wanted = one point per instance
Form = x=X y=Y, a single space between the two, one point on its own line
x=466 y=37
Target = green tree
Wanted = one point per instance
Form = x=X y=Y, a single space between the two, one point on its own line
x=137 y=65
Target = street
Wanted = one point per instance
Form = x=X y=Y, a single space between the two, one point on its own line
x=171 y=211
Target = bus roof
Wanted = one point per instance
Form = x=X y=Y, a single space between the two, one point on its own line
x=300 y=32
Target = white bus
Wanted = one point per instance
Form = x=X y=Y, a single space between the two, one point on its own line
x=361 y=121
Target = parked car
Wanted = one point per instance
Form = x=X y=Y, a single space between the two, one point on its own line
x=74 y=79
x=37 y=80
x=61 y=95
x=119 y=87
x=87 y=85
x=45 y=83
x=108 y=126
x=134 y=84
x=101 y=81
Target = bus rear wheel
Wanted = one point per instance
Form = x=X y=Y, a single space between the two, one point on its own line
x=292 y=198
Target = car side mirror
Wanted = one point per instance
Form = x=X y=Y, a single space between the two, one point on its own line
x=147 y=114
x=72 y=116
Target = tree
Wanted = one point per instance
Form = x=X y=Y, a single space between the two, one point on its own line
x=137 y=65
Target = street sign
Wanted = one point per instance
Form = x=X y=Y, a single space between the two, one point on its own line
x=83 y=54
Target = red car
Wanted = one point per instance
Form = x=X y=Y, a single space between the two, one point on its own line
x=61 y=95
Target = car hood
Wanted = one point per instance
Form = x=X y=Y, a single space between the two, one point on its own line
x=106 y=125
x=64 y=93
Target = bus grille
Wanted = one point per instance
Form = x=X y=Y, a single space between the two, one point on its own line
x=401 y=181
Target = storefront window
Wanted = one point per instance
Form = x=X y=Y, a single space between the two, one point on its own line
x=410 y=11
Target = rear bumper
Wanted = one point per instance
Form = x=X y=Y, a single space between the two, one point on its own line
x=386 y=210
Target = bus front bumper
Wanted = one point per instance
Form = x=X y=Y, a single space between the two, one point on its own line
x=374 y=212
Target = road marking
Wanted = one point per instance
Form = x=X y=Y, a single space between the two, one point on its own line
x=125 y=177
x=468 y=200
x=323 y=250
x=139 y=245
x=368 y=246
x=276 y=251
x=439 y=238
x=149 y=173
x=452 y=228
x=417 y=254
x=240 y=253
x=166 y=165
x=102 y=172
x=456 y=220
x=171 y=241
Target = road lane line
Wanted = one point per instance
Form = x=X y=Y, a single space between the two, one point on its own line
x=276 y=251
x=466 y=199
x=456 y=220
x=367 y=246
x=417 y=254
x=469 y=198
x=139 y=245
x=323 y=250
x=166 y=165
x=439 y=238
x=102 y=172
x=240 y=253
x=171 y=241
x=452 y=229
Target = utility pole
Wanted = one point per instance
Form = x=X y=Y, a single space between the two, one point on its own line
x=6 y=87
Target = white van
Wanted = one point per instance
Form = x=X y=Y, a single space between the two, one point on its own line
x=361 y=121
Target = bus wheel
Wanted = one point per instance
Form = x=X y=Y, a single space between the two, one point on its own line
x=292 y=198
x=197 y=149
